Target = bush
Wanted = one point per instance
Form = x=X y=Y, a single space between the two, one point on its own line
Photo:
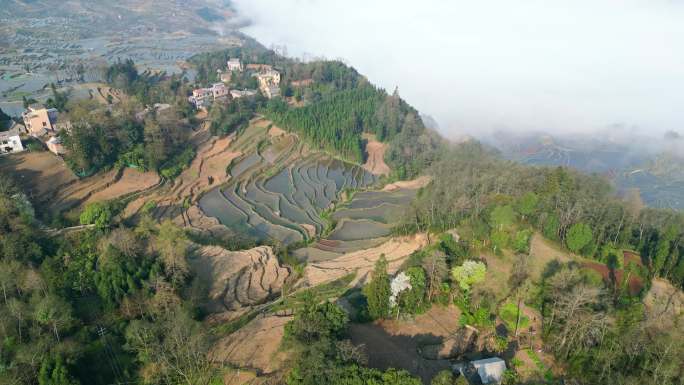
x=509 y=315
x=99 y=213
x=177 y=164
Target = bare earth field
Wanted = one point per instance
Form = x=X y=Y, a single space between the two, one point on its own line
x=375 y=161
x=255 y=346
x=397 y=343
x=396 y=250
x=48 y=181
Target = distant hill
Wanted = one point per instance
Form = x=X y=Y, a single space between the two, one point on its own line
x=653 y=166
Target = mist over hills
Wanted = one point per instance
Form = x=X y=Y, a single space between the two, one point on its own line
x=654 y=166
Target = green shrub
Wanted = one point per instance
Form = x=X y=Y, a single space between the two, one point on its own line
x=99 y=213
x=509 y=315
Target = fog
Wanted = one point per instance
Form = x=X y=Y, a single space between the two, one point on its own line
x=482 y=66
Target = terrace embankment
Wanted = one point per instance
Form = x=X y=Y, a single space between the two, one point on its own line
x=238 y=280
x=208 y=168
x=362 y=262
x=52 y=186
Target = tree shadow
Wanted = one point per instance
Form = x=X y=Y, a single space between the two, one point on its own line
x=385 y=350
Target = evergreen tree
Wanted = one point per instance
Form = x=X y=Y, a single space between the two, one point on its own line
x=378 y=291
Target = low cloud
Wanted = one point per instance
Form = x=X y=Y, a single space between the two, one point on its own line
x=483 y=66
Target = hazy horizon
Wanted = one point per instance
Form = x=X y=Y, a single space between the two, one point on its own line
x=580 y=66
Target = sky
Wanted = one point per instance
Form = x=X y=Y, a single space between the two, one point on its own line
x=483 y=66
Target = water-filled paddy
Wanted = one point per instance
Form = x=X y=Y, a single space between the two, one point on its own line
x=357 y=229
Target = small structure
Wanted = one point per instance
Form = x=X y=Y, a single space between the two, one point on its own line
x=269 y=83
x=219 y=90
x=234 y=64
x=237 y=94
x=10 y=141
x=156 y=108
x=490 y=370
x=201 y=97
x=40 y=121
x=54 y=144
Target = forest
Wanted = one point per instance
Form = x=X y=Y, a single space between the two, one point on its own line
x=96 y=307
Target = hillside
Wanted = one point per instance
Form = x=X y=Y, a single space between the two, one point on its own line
x=323 y=236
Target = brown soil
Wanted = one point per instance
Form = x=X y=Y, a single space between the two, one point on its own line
x=131 y=181
x=409 y=184
x=542 y=253
x=396 y=250
x=632 y=257
x=375 y=161
x=635 y=284
x=664 y=304
x=208 y=169
x=256 y=345
x=239 y=279
x=276 y=131
x=399 y=343
x=48 y=182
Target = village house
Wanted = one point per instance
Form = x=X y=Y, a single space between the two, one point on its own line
x=234 y=64
x=219 y=90
x=10 y=141
x=202 y=97
x=40 y=121
x=237 y=94
x=54 y=144
x=269 y=83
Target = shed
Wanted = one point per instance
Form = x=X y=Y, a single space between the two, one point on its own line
x=490 y=370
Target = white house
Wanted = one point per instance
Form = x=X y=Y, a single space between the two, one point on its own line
x=234 y=64
x=10 y=142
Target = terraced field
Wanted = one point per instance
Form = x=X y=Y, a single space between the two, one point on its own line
x=278 y=192
x=281 y=193
x=362 y=223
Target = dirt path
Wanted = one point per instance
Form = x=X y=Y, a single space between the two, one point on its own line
x=375 y=161
x=408 y=184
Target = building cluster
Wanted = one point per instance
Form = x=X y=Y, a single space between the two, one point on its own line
x=40 y=123
x=267 y=77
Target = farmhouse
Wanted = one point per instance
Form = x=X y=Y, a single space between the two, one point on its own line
x=39 y=121
x=219 y=90
x=200 y=97
x=10 y=142
x=269 y=83
x=234 y=64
